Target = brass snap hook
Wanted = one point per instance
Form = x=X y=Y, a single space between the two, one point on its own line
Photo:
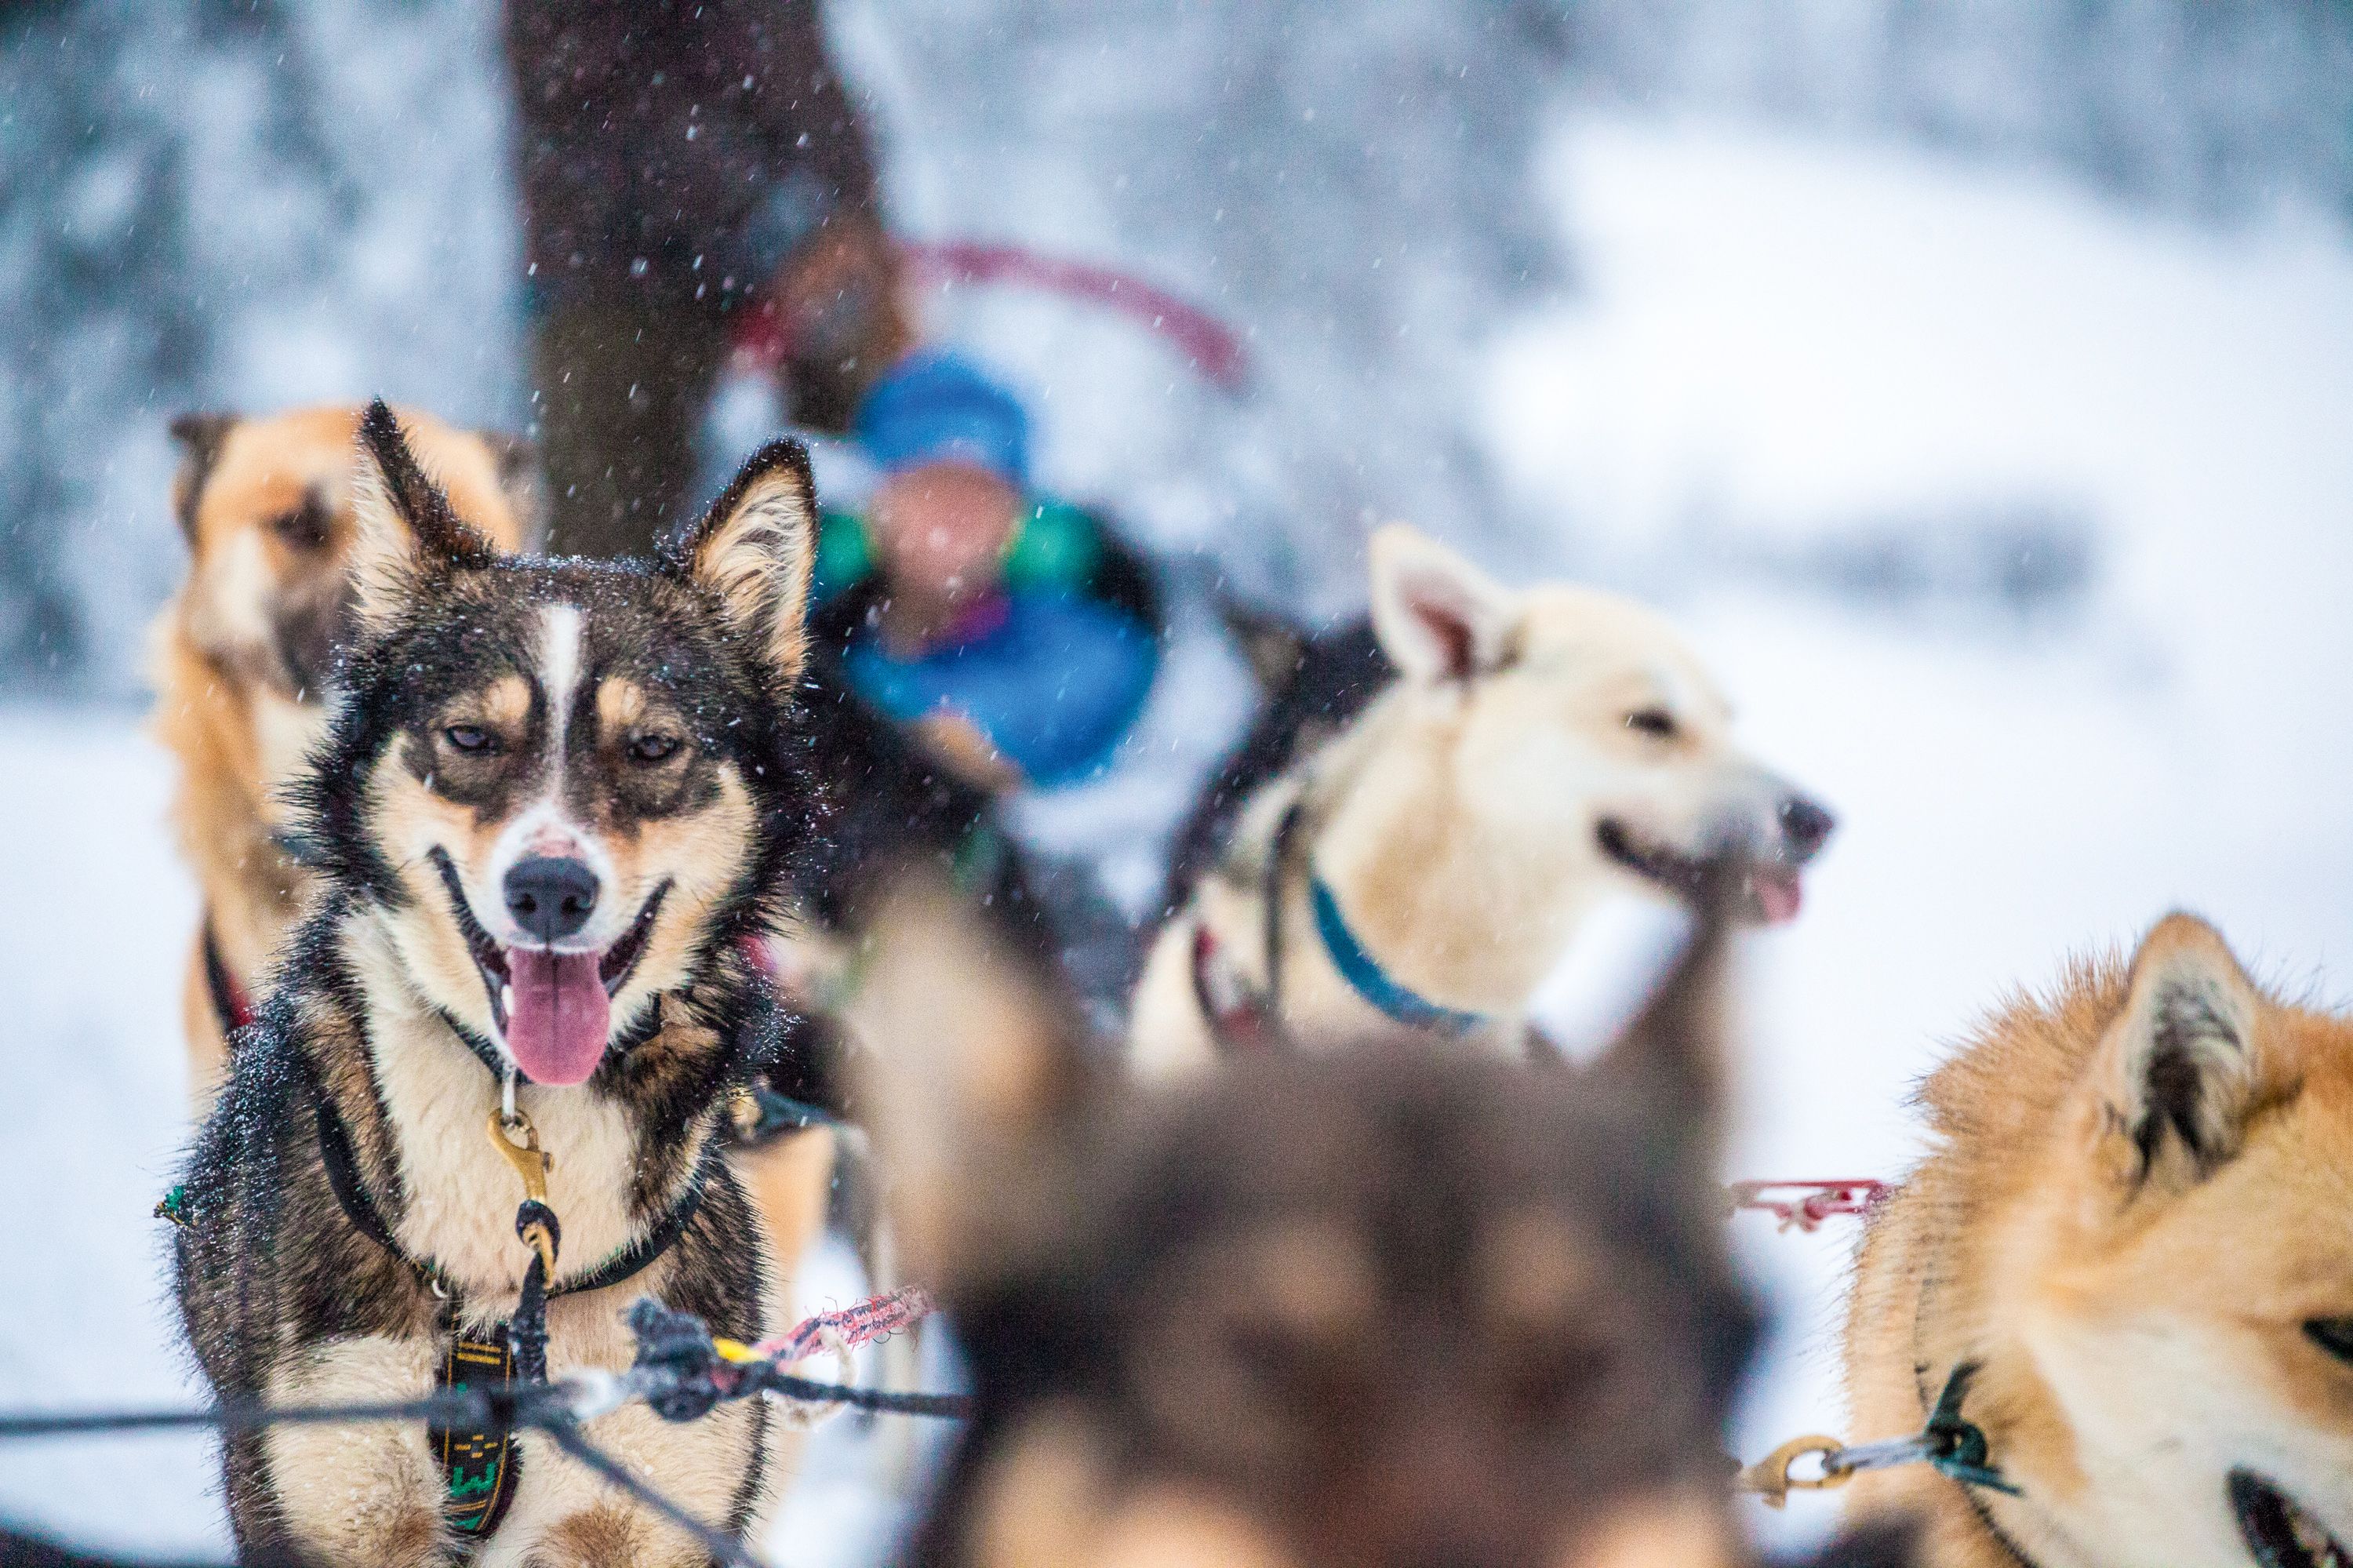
x=1774 y=1477
x=529 y=1160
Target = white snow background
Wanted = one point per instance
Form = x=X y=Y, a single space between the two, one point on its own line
x=1778 y=345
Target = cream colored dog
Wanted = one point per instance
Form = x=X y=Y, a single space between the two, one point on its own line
x=1424 y=867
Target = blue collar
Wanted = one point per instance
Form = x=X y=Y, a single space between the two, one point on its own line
x=1372 y=982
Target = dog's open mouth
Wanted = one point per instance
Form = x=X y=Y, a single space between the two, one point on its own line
x=553 y=1009
x=2278 y=1531
x=1774 y=892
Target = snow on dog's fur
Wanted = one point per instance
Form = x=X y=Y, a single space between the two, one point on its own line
x=1529 y=753
x=2134 y=1225
x=245 y=648
x=557 y=800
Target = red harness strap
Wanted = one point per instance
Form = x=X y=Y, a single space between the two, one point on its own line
x=1239 y=1018
x=229 y=1003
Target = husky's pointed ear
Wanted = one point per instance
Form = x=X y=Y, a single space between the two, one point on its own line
x=757 y=549
x=2180 y=1069
x=405 y=531
x=1437 y=617
x=979 y=1079
x=201 y=438
x=1668 y=1067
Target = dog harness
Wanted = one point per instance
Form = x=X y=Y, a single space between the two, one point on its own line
x=231 y=1008
x=481 y=1468
x=1369 y=980
x=1241 y=1019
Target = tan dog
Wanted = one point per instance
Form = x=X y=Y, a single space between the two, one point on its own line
x=243 y=649
x=1424 y=866
x=2134 y=1226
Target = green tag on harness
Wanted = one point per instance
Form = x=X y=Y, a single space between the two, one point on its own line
x=480 y=1468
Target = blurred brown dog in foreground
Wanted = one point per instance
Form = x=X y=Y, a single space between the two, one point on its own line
x=1391 y=1307
x=243 y=650
x=2130 y=1243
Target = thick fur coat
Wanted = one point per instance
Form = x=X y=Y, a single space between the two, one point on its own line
x=2132 y=1224
x=499 y=717
x=245 y=649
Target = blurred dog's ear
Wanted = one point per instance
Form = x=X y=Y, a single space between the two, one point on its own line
x=1274 y=645
x=516 y=458
x=201 y=437
x=974 y=1079
x=1669 y=1065
x=756 y=550
x=405 y=531
x=1437 y=617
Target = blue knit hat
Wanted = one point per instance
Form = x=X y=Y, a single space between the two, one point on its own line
x=937 y=406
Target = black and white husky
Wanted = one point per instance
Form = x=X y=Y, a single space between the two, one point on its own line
x=552 y=808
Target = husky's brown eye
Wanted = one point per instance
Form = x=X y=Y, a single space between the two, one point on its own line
x=1655 y=721
x=653 y=747
x=472 y=740
x=2333 y=1335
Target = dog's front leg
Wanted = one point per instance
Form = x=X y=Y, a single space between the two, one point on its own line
x=722 y=1469
x=361 y=1494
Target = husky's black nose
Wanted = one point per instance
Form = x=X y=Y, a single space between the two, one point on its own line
x=1806 y=825
x=551 y=898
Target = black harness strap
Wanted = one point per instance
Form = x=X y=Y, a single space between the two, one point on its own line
x=1242 y=1020
x=1277 y=861
x=336 y=1153
x=342 y=1162
x=1928 y=1408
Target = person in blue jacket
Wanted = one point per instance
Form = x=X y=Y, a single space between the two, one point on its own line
x=1014 y=634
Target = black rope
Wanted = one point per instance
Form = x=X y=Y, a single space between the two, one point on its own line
x=884 y=1401
x=678 y=1371
x=491 y=1409
x=247 y=1415
x=527 y=1329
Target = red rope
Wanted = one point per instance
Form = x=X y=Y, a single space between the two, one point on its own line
x=1207 y=344
x=876 y=1318
x=1804 y=1205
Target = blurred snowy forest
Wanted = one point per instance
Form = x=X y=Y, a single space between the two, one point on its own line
x=252 y=203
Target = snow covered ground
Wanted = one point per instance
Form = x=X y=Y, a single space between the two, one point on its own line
x=1780 y=344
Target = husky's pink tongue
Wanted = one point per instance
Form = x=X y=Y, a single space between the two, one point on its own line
x=558 y=1020
x=1779 y=895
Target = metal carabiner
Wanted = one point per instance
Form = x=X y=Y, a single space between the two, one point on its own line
x=1773 y=1478
x=529 y=1160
